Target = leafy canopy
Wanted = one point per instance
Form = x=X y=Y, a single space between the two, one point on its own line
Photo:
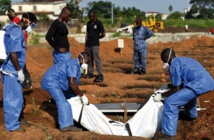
x=4 y=6
x=201 y=9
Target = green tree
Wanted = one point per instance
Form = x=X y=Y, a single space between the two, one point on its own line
x=79 y=15
x=4 y=6
x=133 y=12
x=201 y=9
x=175 y=15
x=170 y=8
x=102 y=8
x=117 y=12
x=158 y=17
x=73 y=5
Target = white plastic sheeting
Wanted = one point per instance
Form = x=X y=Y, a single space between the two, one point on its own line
x=145 y=123
x=2 y=47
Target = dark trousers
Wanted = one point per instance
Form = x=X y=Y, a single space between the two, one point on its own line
x=94 y=52
x=140 y=58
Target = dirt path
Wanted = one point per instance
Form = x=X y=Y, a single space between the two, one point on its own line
x=118 y=86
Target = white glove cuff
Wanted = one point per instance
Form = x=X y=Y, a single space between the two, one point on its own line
x=84 y=99
x=20 y=71
x=158 y=97
x=83 y=96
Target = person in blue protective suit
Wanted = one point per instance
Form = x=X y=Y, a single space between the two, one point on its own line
x=189 y=79
x=12 y=73
x=140 y=34
x=57 y=37
x=62 y=78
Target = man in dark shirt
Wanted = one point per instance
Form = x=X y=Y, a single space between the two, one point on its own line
x=95 y=31
x=57 y=37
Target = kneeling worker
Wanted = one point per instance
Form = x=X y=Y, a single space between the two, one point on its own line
x=189 y=80
x=62 y=78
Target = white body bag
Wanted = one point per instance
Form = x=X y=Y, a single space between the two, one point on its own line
x=145 y=123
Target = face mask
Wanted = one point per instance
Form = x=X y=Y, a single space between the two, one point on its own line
x=30 y=28
x=84 y=66
x=166 y=65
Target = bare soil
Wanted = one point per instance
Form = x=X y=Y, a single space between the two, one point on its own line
x=118 y=86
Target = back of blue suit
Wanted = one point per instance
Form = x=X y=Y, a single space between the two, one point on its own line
x=196 y=81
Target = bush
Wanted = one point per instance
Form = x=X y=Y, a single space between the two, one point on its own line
x=117 y=34
x=175 y=15
x=43 y=17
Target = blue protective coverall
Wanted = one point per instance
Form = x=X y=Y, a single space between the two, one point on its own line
x=56 y=82
x=140 y=46
x=196 y=81
x=12 y=88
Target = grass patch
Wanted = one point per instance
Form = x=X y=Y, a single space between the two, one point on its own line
x=117 y=34
x=35 y=110
x=34 y=38
x=198 y=23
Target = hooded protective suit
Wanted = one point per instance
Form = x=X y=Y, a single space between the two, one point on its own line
x=12 y=88
x=55 y=81
x=195 y=80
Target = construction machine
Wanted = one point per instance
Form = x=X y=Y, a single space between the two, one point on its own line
x=152 y=24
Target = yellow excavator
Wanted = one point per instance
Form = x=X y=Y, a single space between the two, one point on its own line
x=152 y=24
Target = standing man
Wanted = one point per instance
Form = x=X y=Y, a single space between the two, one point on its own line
x=189 y=80
x=95 y=31
x=57 y=37
x=62 y=78
x=140 y=34
x=186 y=27
x=12 y=73
x=12 y=16
x=28 y=83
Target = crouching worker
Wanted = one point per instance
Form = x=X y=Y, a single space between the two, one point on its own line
x=12 y=73
x=189 y=80
x=63 y=78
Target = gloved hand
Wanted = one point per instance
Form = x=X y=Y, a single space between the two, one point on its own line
x=76 y=98
x=21 y=76
x=157 y=97
x=84 y=100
